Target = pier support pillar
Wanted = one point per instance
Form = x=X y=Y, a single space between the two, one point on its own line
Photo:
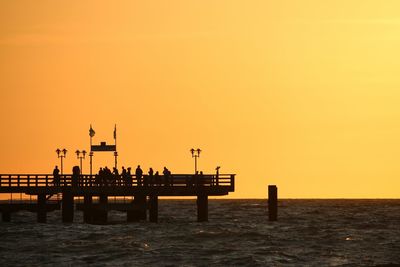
x=142 y=207
x=139 y=209
x=67 y=206
x=132 y=216
x=87 y=212
x=202 y=208
x=41 y=208
x=101 y=214
x=153 y=216
x=272 y=202
x=6 y=216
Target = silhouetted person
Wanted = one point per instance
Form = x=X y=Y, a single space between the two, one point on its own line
x=76 y=172
x=157 y=178
x=170 y=178
x=195 y=178
x=102 y=176
x=217 y=176
x=129 y=177
x=99 y=177
x=116 y=176
x=56 y=175
x=149 y=179
x=167 y=177
x=139 y=174
x=201 y=179
x=108 y=177
x=123 y=175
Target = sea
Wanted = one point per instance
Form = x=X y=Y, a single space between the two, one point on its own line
x=238 y=233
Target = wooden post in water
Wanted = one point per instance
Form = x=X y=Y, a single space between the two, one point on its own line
x=132 y=215
x=138 y=211
x=87 y=212
x=153 y=216
x=99 y=212
x=202 y=208
x=102 y=212
x=272 y=202
x=142 y=206
x=67 y=206
x=41 y=208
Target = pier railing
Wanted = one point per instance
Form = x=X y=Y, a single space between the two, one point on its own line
x=68 y=180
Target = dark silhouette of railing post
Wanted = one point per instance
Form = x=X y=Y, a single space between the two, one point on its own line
x=272 y=202
x=153 y=216
x=67 y=205
x=202 y=208
x=41 y=208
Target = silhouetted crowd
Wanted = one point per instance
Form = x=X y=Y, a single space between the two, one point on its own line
x=106 y=177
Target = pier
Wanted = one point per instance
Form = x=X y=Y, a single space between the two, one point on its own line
x=141 y=198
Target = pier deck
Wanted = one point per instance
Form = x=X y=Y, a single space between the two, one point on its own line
x=144 y=192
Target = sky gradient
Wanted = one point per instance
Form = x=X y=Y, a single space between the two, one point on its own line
x=302 y=94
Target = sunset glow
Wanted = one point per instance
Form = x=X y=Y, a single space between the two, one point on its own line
x=301 y=94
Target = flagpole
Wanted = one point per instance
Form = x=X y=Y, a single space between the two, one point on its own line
x=115 y=143
x=91 y=152
x=91 y=156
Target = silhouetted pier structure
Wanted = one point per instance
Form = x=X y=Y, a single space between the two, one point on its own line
x=96 y=193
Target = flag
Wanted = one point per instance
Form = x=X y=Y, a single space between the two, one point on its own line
x=115 y=131
x=91 y=131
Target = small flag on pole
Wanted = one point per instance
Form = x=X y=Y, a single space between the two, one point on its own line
x=115 y=131
x=91 y=131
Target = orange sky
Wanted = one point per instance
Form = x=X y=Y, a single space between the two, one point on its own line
x=302 y=94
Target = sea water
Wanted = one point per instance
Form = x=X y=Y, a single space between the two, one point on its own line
x=307 y=233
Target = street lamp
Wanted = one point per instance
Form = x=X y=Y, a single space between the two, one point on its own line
x=91 y=161
x=61 y=154
x=195 y=155
x=80 y=157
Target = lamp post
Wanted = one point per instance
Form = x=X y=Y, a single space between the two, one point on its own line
x=80 y=155
x=195 y=155
x=91 y=162
x=115 y=159
x=61 y=154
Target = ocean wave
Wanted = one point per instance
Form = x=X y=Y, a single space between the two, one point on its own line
x=307 y=233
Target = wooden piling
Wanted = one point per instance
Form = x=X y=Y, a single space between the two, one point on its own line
x=132 y=215
x=87 y=212
x=41 y=208
x=67 y=206
x=202 y=208
x=102 y=213
x=272 y=202
x=138 y=211
x=141 y=202
x=153 y=214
